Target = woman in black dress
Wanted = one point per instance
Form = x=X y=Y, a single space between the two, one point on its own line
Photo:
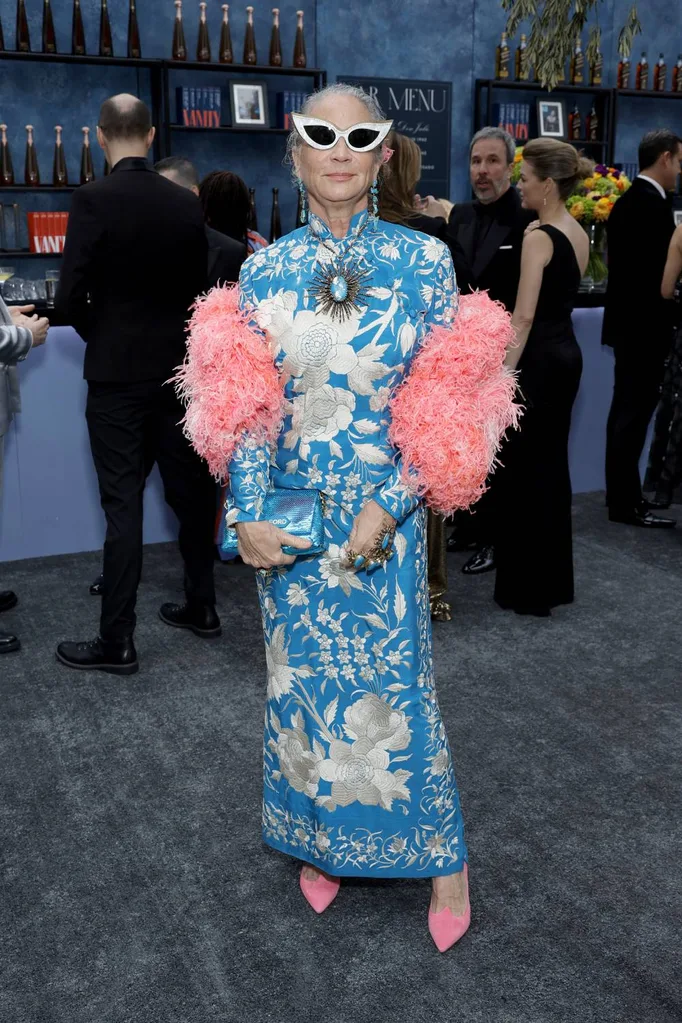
x=664 y=475
x=534 y=542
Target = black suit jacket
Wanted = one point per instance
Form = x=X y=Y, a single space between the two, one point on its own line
x=495 y=263
x=225 y=258
x=136 y=247
x=638 y=230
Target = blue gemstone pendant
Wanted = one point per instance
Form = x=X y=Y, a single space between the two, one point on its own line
x=339 y=288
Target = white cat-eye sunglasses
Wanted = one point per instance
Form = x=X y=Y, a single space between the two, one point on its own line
x=361 y=138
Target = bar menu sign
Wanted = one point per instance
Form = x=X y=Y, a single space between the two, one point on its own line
x=423 y=111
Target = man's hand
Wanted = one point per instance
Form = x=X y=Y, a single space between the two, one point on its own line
x=533 y=226
x=260 y=544
x=430 y=207
x=38 y=325
x=17 y=311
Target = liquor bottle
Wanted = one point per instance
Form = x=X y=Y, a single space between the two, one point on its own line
x=577 y=64
x=574 y=124
x=275 y=42
x=179 y=44
x=59 y=174
x=300 y=58
x=31 y=172
x=106 y=48
x=77 y=30
x=593 y=125
x=624 y=73
x=502 y=55
x=6 y=168
x=225 y=56
x=203 y=41
x=23 y=37
x=87 y=170
x=49 y=37
x=597 y=69
x=521 y=61
x=660 y=74
x=275 y=220
x=134 y=47
x=642 y=76
x=677 y=75
x=250 y=55
x=253 y=216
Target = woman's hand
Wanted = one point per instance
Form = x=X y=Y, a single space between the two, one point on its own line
x=260 y=544
x=369 y=525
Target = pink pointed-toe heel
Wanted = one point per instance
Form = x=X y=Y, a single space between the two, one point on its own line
x=445 y=927
x=321 y=893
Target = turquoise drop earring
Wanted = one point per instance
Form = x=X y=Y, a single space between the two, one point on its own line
x=374 y=201
x=302 y=202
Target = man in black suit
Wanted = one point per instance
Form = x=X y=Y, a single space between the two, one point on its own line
x=638 y=322
x=490 y=231
x=225 y=258
x=135 y=259
x=225 y=255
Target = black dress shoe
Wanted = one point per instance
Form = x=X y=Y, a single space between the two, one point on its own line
x=8 y=643
x=456 y=543
x=201 y=619
x=481 y=561
x=641 y=517
x=8 y=600
x=96 y=588
x=115 y=656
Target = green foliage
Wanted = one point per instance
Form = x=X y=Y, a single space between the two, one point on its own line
x=554 y=27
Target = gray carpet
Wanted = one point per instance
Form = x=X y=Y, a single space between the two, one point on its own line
x=135 y=885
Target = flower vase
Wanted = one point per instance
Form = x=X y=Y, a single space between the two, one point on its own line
x=596 y=273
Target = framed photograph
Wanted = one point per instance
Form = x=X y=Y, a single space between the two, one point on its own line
x=552 y=118
x=677 y=216
x=249 y=102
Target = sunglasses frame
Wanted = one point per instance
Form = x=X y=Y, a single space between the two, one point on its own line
x=301 y=121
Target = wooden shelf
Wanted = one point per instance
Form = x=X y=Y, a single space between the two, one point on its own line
x=38 y=188
x=224 y=128
x=648 y=93
x=240 y=69
x=18 y=253
x=501 y=83
x=72 y=58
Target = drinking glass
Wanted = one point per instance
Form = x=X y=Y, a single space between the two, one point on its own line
x=5 y=273
x=51 y=284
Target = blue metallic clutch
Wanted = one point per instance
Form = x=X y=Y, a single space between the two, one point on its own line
x=299 y=512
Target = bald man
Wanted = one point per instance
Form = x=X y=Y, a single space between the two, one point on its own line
x=134 y=261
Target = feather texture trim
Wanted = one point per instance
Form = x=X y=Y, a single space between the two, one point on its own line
x=228 y=381
x=451 y=412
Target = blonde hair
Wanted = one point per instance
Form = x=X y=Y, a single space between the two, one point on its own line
x=550 y=158
x=399 y=179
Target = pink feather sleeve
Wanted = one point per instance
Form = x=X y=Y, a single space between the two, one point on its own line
x=451 y=412
x=228 y=380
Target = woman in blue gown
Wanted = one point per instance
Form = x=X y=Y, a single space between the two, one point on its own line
x=358 y=773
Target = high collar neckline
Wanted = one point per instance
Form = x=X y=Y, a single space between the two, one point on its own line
x=321 y=232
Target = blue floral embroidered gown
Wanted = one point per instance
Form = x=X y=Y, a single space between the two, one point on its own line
x=358 y=777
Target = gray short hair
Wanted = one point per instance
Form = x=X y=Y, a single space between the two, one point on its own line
x=294 y=141
x=496 y=133
x=184 y=171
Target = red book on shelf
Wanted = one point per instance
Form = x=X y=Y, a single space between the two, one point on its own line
x=65 y=224
x=32 y=232
x=42 y=232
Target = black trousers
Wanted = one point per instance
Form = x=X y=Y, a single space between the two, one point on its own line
x=636 y=388
x=131 y=426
